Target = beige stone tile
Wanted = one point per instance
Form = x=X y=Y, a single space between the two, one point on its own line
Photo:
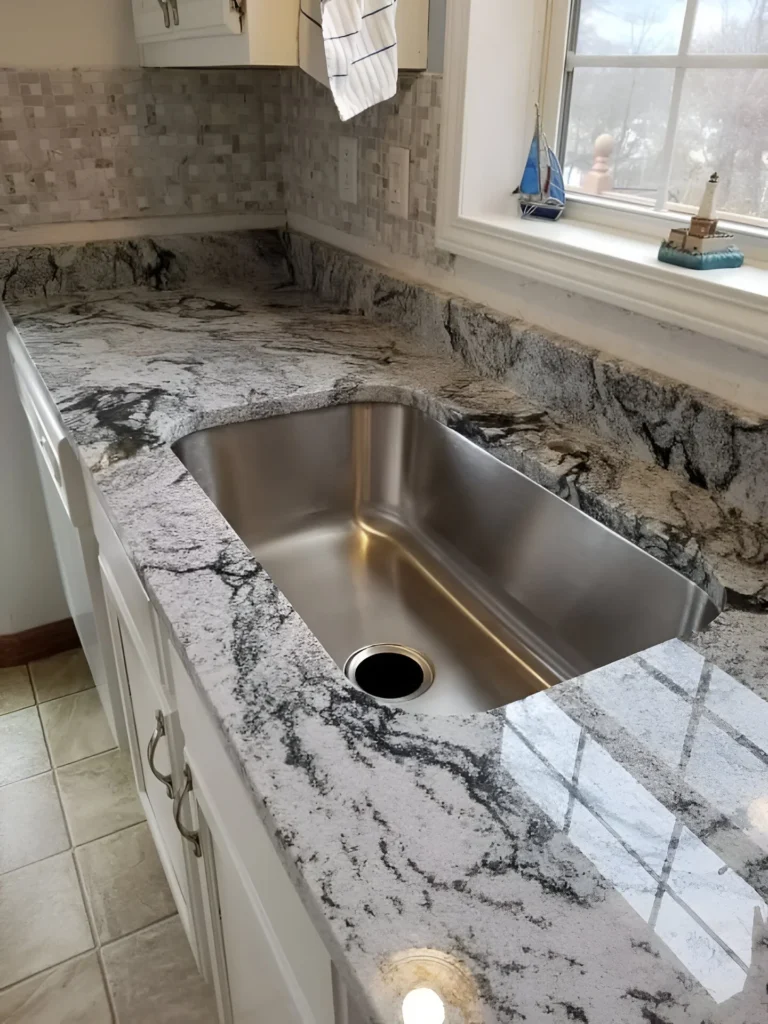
x=99 y=795
x=43 y=918
x=15 y=689
x=76 y=727
x=22 y=747
x=153 y=976
x=60 y=675
x=72 y=993
x=31 y=822
x=125 y=882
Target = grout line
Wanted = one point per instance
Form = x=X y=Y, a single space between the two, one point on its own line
x=77 y=760
x=105 y=982
x=41 y=860
x=114 y=832
x=86 y=901
x=90 y=757
x=34 y=775
x=36 y=974
x=138 y=931
x=60 y=696
x=13 y=711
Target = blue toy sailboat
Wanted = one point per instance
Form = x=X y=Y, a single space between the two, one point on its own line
x=541 y=191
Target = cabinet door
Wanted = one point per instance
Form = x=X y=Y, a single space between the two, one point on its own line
x=156 y=746
x=169 y=20
x=247 y=978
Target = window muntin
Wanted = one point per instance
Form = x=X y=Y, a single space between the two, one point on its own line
x=680 y=89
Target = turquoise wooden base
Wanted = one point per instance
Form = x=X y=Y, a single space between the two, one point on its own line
x=732 y=257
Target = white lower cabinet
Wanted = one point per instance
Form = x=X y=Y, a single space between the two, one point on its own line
x=248 y=929
x=249 y=984
x=62 y=480
x=156 y=746
x=269 y=964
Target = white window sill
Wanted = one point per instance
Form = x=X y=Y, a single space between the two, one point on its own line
x=621 y=270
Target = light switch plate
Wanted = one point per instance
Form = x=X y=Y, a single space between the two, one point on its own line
x=399 y=175
x=348 y=169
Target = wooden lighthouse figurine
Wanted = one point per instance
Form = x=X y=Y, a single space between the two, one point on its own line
x=702 y=246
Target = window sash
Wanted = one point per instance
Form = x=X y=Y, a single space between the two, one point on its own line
x=680 y=61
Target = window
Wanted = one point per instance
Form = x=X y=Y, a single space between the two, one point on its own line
x=657 y=94
x=673 y=108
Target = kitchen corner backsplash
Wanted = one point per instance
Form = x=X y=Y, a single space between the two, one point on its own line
x=312 y=132
x=87 y=145
x=83 y=145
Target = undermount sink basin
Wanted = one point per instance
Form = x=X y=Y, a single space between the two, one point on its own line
x=436 y=576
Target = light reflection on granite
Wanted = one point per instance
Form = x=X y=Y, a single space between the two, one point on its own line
x=703 y=911
x=596 y=853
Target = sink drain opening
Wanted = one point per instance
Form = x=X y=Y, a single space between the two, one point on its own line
x=390 y=672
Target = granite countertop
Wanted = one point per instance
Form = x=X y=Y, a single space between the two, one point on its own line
x=595 y=853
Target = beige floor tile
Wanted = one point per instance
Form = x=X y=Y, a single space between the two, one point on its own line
x=31 y=822
x=60 y=675
x=22 y=747
x=43 y=918
x=76 y=727
x=125 y=882
x=15 y=689
x=152 y=976
x=72 y=993
x=99 y=796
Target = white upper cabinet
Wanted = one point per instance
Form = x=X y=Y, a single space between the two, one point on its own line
x=220 y=33
x=163 y=20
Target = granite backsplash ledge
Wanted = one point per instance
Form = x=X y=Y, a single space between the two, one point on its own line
x=235 y=257
x=713 y=445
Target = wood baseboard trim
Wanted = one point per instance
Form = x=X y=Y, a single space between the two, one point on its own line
x=39 y=642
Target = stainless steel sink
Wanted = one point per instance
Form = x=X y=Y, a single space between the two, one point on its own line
x=387 y=530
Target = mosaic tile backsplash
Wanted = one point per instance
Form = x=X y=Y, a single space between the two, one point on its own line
x=93 y=145
x=311 y=145
x=84 y=145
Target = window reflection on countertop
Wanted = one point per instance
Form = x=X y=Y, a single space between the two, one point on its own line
x=713 y=733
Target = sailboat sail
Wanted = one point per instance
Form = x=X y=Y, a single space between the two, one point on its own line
x=530 y=183
x=542 y=193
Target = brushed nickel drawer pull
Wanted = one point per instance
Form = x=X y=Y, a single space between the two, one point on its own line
x=154 y=739
x=178 y=800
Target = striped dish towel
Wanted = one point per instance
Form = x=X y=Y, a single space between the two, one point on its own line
x=350 y=46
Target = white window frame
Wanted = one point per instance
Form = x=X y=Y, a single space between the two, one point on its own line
x=559 y=58
x=501 y=57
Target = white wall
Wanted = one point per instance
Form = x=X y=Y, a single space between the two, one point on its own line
x=66 y=34
x=30 y=588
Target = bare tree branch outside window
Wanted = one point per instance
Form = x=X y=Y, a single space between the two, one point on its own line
x=682 y=90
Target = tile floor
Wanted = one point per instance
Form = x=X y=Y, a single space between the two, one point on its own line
x=88 y=928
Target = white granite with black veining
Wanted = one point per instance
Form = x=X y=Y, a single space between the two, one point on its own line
x=597 y=853
x=715 y=446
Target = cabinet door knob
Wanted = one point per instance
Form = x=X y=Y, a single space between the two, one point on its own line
x=175 y=11
x=166 y=12
x=154 y=739
x=178 y=800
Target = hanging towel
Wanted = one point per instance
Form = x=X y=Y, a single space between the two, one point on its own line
x=350 y=46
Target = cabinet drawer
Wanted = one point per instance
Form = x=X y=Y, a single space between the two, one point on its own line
x=299 y=951
x=134 y=602
x=58 y=455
